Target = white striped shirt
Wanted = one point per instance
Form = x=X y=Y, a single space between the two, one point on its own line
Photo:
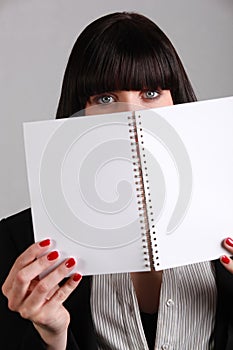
x=185 y=317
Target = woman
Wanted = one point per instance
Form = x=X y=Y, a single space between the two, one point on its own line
x=120 y=57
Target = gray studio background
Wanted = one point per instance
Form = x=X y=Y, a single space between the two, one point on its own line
x=36 y=37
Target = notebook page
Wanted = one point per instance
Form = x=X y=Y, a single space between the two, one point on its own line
x=188 y=152
x=83 y=192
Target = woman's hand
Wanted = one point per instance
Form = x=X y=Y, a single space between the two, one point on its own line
x=226 y=260
x=41 y=300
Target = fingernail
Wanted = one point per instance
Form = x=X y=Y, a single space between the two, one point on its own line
x=53 y=255
x=69 y=263
x=77 y=277
x=229 y=242
x=45 y=243
x=225 y=259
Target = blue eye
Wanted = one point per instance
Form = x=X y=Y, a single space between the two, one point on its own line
x=150 y=94
x=105 y=99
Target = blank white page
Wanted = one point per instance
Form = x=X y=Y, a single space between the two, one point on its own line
x=187 y=160
x=83 y=192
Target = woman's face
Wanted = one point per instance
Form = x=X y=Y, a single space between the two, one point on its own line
x=117 y=101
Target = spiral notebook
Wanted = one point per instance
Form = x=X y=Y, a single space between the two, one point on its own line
x=134 y=191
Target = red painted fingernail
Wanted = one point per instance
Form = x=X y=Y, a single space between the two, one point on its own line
x=69 y=263
x=229 y=242
x=53 y=255
x=45 y=243
x=225 y=259
x=77 y=277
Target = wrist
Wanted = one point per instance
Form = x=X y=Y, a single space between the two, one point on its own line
x=53 y=340
x=57 y=342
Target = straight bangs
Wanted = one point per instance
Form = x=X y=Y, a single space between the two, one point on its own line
x=126 y=67
x=132 y=54
x=122 y=51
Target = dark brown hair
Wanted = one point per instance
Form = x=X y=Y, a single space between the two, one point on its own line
x=121 y=51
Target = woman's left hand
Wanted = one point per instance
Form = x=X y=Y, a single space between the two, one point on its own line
x=225 y=259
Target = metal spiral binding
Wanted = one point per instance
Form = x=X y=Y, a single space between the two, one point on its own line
x=140 y=190
x=150 y=232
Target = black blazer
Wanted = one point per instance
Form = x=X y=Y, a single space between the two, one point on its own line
x=16 y=234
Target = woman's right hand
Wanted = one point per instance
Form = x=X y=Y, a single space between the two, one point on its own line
x=41 y=300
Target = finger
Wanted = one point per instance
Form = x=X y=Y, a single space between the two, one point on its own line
x=52 y=292
x=26 y=258
x=227 y=263
x=228 y=244
x=51 y=306
x=23 y=279
x=43 y=289
x=67 y=288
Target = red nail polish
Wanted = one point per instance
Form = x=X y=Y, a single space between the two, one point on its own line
x=69 y=263
x=53 y=255
x=229 y=242
x=77 y=277
x=225 y=259
x=45 y=243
